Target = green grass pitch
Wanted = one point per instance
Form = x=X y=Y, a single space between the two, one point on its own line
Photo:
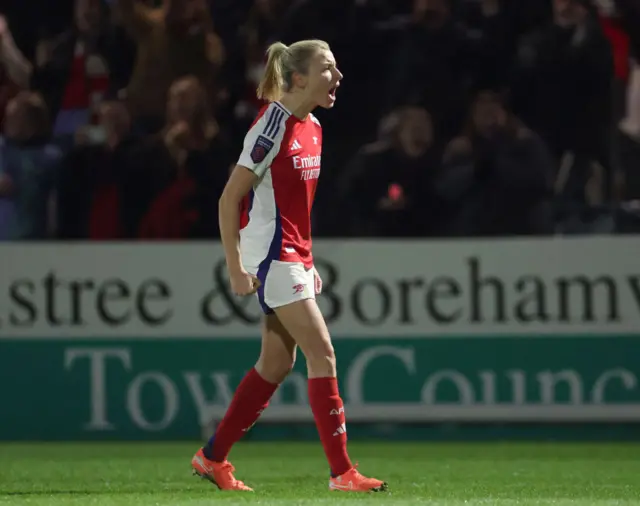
x=157 y=474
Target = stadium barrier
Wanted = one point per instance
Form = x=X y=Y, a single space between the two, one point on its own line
x=131 y=341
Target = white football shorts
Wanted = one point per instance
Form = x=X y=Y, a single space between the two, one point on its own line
x=282 y=283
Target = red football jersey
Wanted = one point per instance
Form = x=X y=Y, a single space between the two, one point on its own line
x=285 y=152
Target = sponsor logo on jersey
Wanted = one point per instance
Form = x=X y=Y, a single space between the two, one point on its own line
x=261 y=148
x=295 y=145
x=307 y=162
x=309 y=166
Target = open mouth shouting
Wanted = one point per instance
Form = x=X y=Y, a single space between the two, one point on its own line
x=332 y=92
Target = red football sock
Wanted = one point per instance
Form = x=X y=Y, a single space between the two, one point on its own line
x=249 y=401
x=328 y=411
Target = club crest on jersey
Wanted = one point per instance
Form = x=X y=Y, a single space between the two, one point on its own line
x=261 y=148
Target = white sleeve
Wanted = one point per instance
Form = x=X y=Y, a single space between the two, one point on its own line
x=262 y=142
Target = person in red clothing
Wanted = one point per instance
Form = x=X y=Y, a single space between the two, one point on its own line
x=92 y=193
x=72 y=70
x=182 y=170
x=268 y=251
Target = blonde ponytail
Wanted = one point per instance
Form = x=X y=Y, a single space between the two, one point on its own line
x=283 y=62
x=272 y=83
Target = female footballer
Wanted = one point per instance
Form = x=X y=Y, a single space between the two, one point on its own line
x=265 y=227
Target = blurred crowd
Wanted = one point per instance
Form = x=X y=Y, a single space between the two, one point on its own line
x=122 y=118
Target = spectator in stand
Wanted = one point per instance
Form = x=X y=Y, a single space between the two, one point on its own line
x=176 y=72
x=438 y=60
x=28 y=169
x=93 y=178
x=629 y=12
x=563 y=89
x=496 y=177
x=386 y=189
x=180 y=173
x=613 y=27
x=429 y=64
x=174 y=40
x=72 y=70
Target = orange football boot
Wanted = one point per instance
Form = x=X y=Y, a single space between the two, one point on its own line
x=353 y=481
x=218 y=473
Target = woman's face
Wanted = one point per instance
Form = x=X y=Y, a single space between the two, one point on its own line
x=322 y=79
x=184 y=102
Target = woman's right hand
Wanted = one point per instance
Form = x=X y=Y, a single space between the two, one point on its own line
x=243 y=283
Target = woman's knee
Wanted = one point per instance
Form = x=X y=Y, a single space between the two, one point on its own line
x=305 y=324
x=321 y=358
x=275 y=368
x=278 y=352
